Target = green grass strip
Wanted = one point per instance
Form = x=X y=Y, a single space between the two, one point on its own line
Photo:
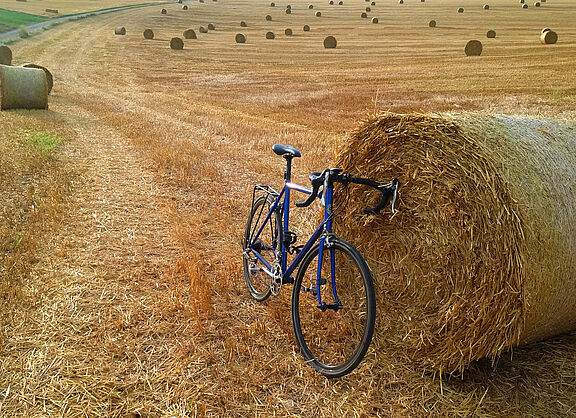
x=11 y=19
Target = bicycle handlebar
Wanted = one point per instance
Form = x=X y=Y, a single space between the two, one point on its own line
x=387 y=191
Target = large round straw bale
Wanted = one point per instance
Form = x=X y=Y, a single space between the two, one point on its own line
x=310 y=6
x=176 y=43
x=486 y=7
x=374 y=20
x=473 y=48
x=163 y=11
x=549 y=37
x=49 y=77
x=460 y=10
x=270 y=35
x=306 y=28
x=185 y=7
x=211 y=26
x=189 y=34
x=5 y=55
x=288 y=11
x=480 y=254
x=23 y=88
x=432 y=24
x=268 y=18
x=363 y=15
x=240 y=38
x=537 y=4
x=288 y=32
x=491 y=34
x=330 y=42
x=243 y=24
x=545 y=30
x=368 y=9
x=148 y=34
x=318 y=14
x=202 y=29
x=120 y=30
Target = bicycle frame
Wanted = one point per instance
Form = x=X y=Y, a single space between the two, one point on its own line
x=324 y=229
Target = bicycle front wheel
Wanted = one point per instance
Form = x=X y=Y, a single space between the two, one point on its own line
x=334 y=337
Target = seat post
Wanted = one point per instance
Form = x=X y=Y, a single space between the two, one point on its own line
x=288 y=172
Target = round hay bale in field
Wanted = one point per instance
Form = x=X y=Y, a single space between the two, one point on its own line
x=491 y=34
x=272 y=4
x=480 y=254
x=373 y=3
x=331 y=2
x=374 y=20
x=340 y=3
x=176 y=43
x=23 y=88
x=537 y=4
x=318 y=14
x=522 y=1
x=306 y=28
x=460 y=10
x=288 y=6
x=120 y=30
x=243 y=24
x=524 y=6
x=310 y=6
x=486 y=7
x=368 y=9
x=185 y=7
x=363 y=15
x=148 y=34
x=549 y=37
x=545 y=30
x=400 y=1
x=202 y=29
x=190 y=34
x=211 y=26
x=240 y=38
x=5 y=55
x=49 y=76
x=179 y=1
x=473 y=48
x=163 y=11
x=288 y=11
x=432 y=24
x=288 y=32
x=330 y=42
x=268 y=18
x=270 y=35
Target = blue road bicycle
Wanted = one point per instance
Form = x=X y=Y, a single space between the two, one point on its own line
x=333 y=302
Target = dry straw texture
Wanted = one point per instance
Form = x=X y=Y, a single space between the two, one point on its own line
x=120 y=30
x=49 y=76
x=5 y=55
x=23 y=88
x=148 y=34
x=480 y=255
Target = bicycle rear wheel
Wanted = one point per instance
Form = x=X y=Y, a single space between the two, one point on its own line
x=267 y=245
x=334 y=341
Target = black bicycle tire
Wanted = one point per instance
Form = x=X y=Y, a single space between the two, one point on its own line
x=362 y=348
x=258 y=296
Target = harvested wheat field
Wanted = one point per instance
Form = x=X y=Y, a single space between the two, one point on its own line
x=124 y=205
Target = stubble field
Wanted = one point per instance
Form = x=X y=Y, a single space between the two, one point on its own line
x=135 y=302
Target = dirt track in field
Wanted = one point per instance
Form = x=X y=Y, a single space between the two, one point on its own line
x=141 y=306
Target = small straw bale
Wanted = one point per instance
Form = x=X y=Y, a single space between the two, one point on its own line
x=432 y=24
x=202 y=29
x=270 y=35
x=272 y=4
x=163 y=11
x=374 y=20
x=537 y=4
x=486 y=7
x=148 y=34
x=306 y=28
x=368 y=9
x=49 y=76
x=310 y=6
x=330 y=42
x=55 y=11
x=400 y=1
x=524 y=6
x=288 y=32
x=545 y=30
x=340 y=3
x=522 y=1
x=473 y=48
x=5 y=55
x=288 y=11
x=479 y=256
x=185 y=7
x=23 y=88
x=549 y=37
x=460 y=10
x=268 y=18
x=288 y=6
x=363 y=15
x=120 y=30
x=243 y=24
x=318 y=14
x=491 y=34
x=190 y=34
x=211 y=26
x=331 y=2
x=179 y=1
x=373 y=3
x=240 y=38
x=176 y=43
